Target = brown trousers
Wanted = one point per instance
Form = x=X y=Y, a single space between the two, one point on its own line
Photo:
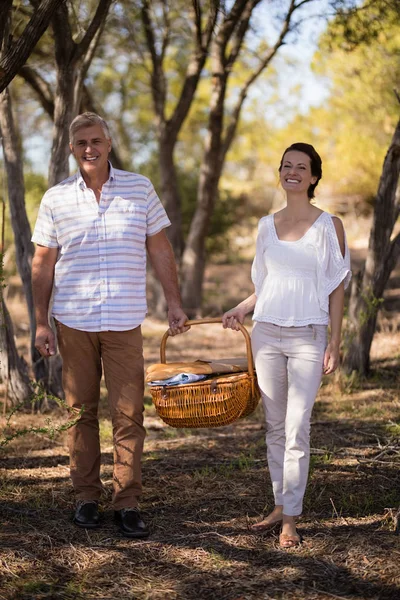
x=120 y=353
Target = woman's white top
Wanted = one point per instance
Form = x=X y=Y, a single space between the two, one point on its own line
x=293 y=280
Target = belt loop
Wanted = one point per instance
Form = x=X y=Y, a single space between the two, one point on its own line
x=314 y=332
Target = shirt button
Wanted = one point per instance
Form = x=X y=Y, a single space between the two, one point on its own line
x=102 y=259
x=101 y=237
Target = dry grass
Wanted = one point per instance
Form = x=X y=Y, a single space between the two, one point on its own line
x=202 y=488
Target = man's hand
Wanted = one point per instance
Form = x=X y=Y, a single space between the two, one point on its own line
x=45 y=340
x=177 y=320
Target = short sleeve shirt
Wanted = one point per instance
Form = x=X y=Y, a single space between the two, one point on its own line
x=100 y=273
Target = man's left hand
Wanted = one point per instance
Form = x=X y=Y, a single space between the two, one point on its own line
x=177 y=320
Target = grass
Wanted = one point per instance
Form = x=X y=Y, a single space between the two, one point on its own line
x=106 y=431
x=202 y=489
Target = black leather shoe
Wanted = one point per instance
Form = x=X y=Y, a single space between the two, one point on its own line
x=87 y=514
x=130 y=523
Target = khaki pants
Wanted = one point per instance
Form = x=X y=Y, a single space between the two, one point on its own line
x=288 y=362
x=120 y=353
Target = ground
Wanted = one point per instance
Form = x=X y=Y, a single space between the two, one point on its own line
x=202 y=489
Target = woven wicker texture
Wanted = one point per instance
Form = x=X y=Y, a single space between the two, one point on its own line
x=212 y=402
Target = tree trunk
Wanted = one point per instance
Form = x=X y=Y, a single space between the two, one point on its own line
x=369 y=285
x=24 y=248
x=13 y=369
x=63 y=113
x=194 y=256
x=171 y=199
x=44 y=371
x=170 y=193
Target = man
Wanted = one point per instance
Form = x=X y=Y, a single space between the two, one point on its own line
x=92 y=233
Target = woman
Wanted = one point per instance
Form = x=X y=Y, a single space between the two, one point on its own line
x=300 y=271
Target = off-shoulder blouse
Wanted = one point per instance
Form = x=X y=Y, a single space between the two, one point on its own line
x=293 y=280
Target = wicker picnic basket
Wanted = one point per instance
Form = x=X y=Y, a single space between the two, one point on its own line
x=213 y=402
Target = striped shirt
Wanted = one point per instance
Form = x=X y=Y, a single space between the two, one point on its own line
x=100 y=273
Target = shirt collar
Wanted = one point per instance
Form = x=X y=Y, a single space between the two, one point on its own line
x=81 y=181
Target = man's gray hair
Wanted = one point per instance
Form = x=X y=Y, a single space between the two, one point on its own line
x=87 y=119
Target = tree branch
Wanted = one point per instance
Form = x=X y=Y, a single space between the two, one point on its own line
x=167 y=32
x=4 y=23
x=17 y=56
x=296 y=6
x=157 y=76
x=41 y=87
x=229 y=24
x=194 y=68
x=265 y=61
x=197 y=11
x=240 y=33
x=88 y=55
x=149 y=33
x=97 y=23
x=64 y=45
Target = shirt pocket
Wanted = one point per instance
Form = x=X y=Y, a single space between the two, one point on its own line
x=124 y=221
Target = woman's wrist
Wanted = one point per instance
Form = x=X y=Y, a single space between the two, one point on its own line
x=246 y=306
x=334 y=343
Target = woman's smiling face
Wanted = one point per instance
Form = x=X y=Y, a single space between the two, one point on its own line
x=295 y=172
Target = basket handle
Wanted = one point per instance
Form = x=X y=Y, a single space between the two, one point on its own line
x=213 y=320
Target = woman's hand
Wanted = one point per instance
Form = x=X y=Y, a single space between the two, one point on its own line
x=233 y=317
x=331 y=358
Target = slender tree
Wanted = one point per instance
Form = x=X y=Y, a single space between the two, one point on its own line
x=13 y=370
x=19 y=220
x=383 y=253
x=202 y=25
x=370 y=31
x=227 y=46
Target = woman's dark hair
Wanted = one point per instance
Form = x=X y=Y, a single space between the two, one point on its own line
x=316 y=163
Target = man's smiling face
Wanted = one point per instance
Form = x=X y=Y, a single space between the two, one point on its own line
x=91 y=148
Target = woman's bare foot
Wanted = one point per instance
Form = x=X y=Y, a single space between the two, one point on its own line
x=289 y=536
x=269 y=522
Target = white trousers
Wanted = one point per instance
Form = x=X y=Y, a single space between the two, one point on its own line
x=288 y=363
